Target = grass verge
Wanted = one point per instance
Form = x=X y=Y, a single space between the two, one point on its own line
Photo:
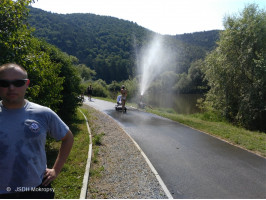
x=251 y=140
x=69 y=182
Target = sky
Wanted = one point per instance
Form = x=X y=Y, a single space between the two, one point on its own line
x=168 y=17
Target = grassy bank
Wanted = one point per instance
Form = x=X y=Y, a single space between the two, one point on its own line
x=250 y=140
x=69 y=182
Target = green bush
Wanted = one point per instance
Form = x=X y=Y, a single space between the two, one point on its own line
x=100 y=89
x=236 y=70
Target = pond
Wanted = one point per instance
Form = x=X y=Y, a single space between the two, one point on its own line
x=181 y=103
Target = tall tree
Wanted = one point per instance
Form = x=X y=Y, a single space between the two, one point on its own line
x=14 y=34
x=54 y=80
x=236 y=69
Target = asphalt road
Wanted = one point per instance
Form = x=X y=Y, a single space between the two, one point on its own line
x=192 y=164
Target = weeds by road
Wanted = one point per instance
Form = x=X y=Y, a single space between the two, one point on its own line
x=69 y=182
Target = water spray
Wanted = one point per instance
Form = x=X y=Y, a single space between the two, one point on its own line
x=152 y=61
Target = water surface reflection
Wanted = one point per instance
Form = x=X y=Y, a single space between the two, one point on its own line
x=181 y=103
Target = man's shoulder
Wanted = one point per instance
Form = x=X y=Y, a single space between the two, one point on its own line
x=37 y=107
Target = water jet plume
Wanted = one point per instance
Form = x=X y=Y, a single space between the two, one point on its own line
x=154 y=58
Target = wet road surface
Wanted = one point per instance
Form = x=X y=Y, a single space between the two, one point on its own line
x=192 y=164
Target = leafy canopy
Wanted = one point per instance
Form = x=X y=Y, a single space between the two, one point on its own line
x=236 y=69
x=54 y=80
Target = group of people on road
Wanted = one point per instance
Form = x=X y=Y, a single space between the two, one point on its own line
x=121 y=99
x=24 y=126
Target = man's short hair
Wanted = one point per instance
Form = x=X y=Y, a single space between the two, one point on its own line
x=12 y=66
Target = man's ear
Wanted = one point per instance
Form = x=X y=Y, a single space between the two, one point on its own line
x=28 y=82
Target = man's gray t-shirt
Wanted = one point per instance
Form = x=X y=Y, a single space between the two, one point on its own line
x=22 y=144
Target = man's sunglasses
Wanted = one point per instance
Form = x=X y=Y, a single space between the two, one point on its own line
x=16 y=83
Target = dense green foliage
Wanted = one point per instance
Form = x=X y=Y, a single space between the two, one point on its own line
x=14 y=34
x=203 y=39
x=54 y=80
x=236 y=70
x=109 y=45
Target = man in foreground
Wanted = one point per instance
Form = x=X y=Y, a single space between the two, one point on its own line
x=23 y=129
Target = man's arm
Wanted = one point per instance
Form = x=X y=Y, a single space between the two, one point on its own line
x=64 y=151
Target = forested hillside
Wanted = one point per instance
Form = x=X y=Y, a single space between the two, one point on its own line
x=108 y=45
x=205 y=39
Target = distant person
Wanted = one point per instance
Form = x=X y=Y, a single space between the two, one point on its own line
x=89 y=91
x=23 y=129
x=124 y=97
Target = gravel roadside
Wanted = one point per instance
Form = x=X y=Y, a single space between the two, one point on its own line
x=123 y=172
